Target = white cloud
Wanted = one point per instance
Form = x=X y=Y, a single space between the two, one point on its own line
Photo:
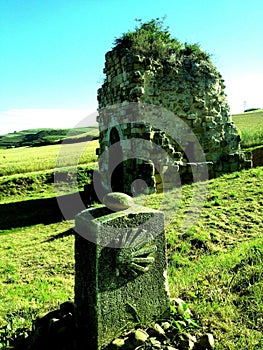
x=22 y=119
x=245 y=91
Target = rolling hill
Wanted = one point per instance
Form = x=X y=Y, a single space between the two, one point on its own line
x=43 y=137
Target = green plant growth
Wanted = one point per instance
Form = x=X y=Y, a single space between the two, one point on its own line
x=27 y=173
x=153 y=40
x=37 y=273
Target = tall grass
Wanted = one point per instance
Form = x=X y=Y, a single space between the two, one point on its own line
x=216 y=266
x=36 y=274
x=251 y=138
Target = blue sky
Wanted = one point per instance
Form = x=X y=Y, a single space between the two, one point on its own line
x=52 y=52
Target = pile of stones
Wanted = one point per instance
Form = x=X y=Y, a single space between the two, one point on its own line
x=56 y=330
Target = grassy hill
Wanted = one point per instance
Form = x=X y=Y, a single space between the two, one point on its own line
x=42 y=137
x=249 y=120
x=28 y=172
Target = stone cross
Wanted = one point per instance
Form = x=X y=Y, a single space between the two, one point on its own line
x=120 y=277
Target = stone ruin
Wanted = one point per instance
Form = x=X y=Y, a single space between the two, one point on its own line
x=186 y=85
x=120 y=251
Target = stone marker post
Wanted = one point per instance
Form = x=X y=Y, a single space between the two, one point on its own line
x=120 y=277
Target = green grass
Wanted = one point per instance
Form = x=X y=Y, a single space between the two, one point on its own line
x=31 y=159
x=250 y=125
x=36 y=274
x=28 y=172
x=21 y=187
x=215 y=266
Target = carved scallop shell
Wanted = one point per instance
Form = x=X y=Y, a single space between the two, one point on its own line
x=137 y=253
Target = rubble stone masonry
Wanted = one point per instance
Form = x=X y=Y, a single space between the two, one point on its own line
x=186 y=85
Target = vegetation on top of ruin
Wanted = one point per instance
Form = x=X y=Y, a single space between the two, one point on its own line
x=154 y=40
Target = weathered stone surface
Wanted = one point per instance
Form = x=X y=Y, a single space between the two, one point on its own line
x=118 y=201
x=120 y=277
x=188 y=86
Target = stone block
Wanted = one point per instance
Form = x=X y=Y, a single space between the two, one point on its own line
x=120 y=277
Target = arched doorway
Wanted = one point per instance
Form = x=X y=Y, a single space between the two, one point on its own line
x=116 y=157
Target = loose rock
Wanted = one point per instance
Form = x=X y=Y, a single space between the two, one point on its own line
x=118 y=343
x=206 y=342
x=186 y=344
x=118 y=201
x=140 y=337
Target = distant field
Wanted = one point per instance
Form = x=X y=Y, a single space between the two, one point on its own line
x=249 y=120
x=42 y=137
x=250 y=125
x=31 y=159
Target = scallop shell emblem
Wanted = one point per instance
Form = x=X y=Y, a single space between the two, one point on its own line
x=137 y=254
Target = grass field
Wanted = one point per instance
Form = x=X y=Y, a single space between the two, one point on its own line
x=28 y=172
x=250 y=125
x=216 y=266
x=31 y=159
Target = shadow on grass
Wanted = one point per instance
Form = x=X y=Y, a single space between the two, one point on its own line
x=61 y=235
x=39 y=211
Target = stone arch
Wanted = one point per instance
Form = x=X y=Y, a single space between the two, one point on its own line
x=117 y=131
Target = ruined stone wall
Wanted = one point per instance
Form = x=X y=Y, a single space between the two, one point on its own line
x=187 y=85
